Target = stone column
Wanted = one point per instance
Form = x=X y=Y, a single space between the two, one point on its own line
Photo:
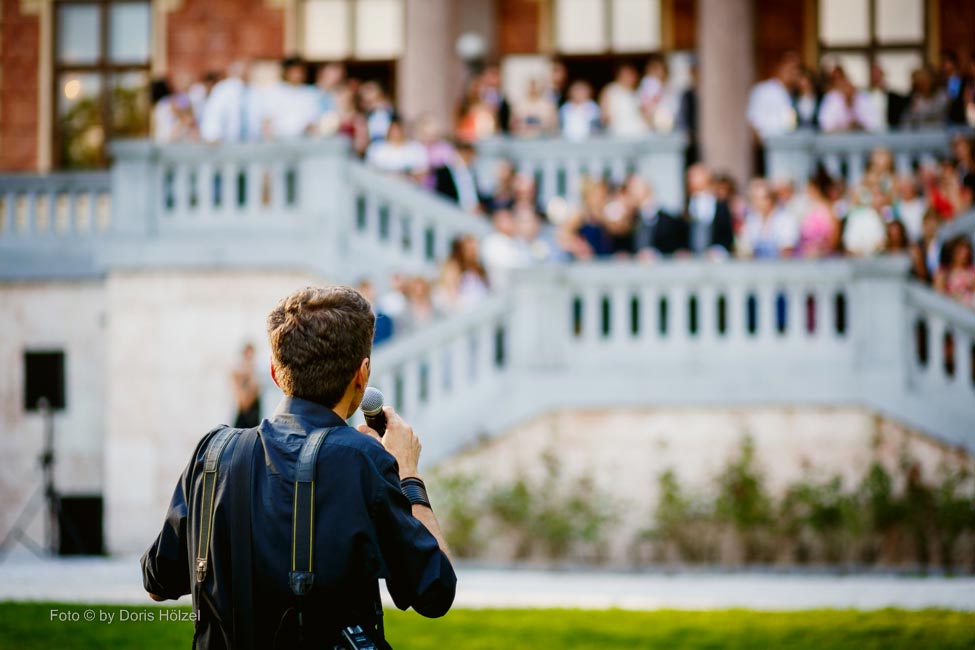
x=725 y=35
x=425 y=77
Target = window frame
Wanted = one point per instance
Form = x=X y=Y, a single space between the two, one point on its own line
x=351 y=26
x=102 y=66
x=608 y=51
x=874 y=46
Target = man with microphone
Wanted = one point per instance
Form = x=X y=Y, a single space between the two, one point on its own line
x=282 y=532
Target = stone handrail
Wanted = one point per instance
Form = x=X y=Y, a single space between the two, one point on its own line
x=621 y=334
x=399 y=226
x=796 y=155
x=559 y=166
x=303 y=204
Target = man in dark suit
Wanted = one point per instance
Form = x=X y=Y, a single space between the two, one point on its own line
x=655 y=232
x=709 y=219
x=455 y=180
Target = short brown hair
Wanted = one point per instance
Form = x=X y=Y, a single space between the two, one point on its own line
x=319 y=337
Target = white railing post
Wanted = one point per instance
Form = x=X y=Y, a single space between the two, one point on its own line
x=326 y=203
x=660 y=161
x=877 y=324
x=541 y=321
x=135 y=181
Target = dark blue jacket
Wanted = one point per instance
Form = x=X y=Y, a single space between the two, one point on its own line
x=364 y=530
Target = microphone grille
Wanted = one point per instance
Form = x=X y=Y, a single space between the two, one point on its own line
x=372 y=401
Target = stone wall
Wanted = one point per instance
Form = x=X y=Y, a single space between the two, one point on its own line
x=67 y=316
x=624 y=452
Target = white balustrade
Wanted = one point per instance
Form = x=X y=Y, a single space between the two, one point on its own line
x=560 y=166
x=54 y=206
x=394 y=225
x=846 y=155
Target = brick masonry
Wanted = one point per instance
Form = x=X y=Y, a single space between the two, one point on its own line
x=19 y=51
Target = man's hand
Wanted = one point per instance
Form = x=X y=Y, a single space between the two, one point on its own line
x=399 y=440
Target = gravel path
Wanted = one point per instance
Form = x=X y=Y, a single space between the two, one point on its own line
x=118 y=580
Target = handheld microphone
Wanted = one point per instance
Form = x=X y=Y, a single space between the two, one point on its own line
x=372 y=409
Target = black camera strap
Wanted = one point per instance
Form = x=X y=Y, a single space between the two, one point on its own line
x=211 y=465
x=302 y=576
x=242 y=472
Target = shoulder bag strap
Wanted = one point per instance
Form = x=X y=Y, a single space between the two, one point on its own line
x=242 y=475
x=211 y=465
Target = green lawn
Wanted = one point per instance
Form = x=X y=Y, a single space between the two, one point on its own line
x=29 y=626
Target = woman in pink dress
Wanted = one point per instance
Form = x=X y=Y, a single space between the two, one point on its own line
x=819 y=230
x=957 y=279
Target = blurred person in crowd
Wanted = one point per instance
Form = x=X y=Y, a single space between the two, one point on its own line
x=710 y=221
x=534 y=115
x=502 y=250
x=929 y=244
x=393 y=301
x=807 y=99
x=963 y=151
x=968 y=91
x=618 y=223
x=292 y=105
x=502 y=194
x=440 y=151
x=954 y=87
x=420 y=308
x=540 y=238
x=525 y=193
x=620 y=104
x=234 y=111
x=200 y=91
x=820 y=229
x=328 y=80
x=172 y=114
x=558 y=80
x=655 y=232
x=493 y=97
x=656 y=100
x=888 y=106
x=909 y=206
x=770 y=110
x=956 y=279
x=398 y=154
x=880 y=169
x=791 y=203
x=726 y=190
x=384 y=323
x=927 y=105
x=589 y=222
x=476 y=119
x=463 y=279
x=687 y=118
x=346 y=120
x=863 y=228
x=966 y=194
x=579 y=115
x=168 y=123
x=844 y=108
x=247 y=390
x=896 y=240
x=768 y=232
x=377 y=108
x=455 y=179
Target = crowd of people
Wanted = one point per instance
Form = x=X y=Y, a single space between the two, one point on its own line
x=827 y=100
x=886 y=212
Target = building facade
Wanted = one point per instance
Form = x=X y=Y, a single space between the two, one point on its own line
x=56 y=54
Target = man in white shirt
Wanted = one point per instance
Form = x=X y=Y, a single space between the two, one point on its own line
x=233 y=111
x=397 y=154
x=770 y=110
x=845 y=108
x=579 y=116
x=292 y=105
x=501 y=251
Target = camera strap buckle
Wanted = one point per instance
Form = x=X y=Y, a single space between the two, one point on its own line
x=211 y=464
x=301 y=582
